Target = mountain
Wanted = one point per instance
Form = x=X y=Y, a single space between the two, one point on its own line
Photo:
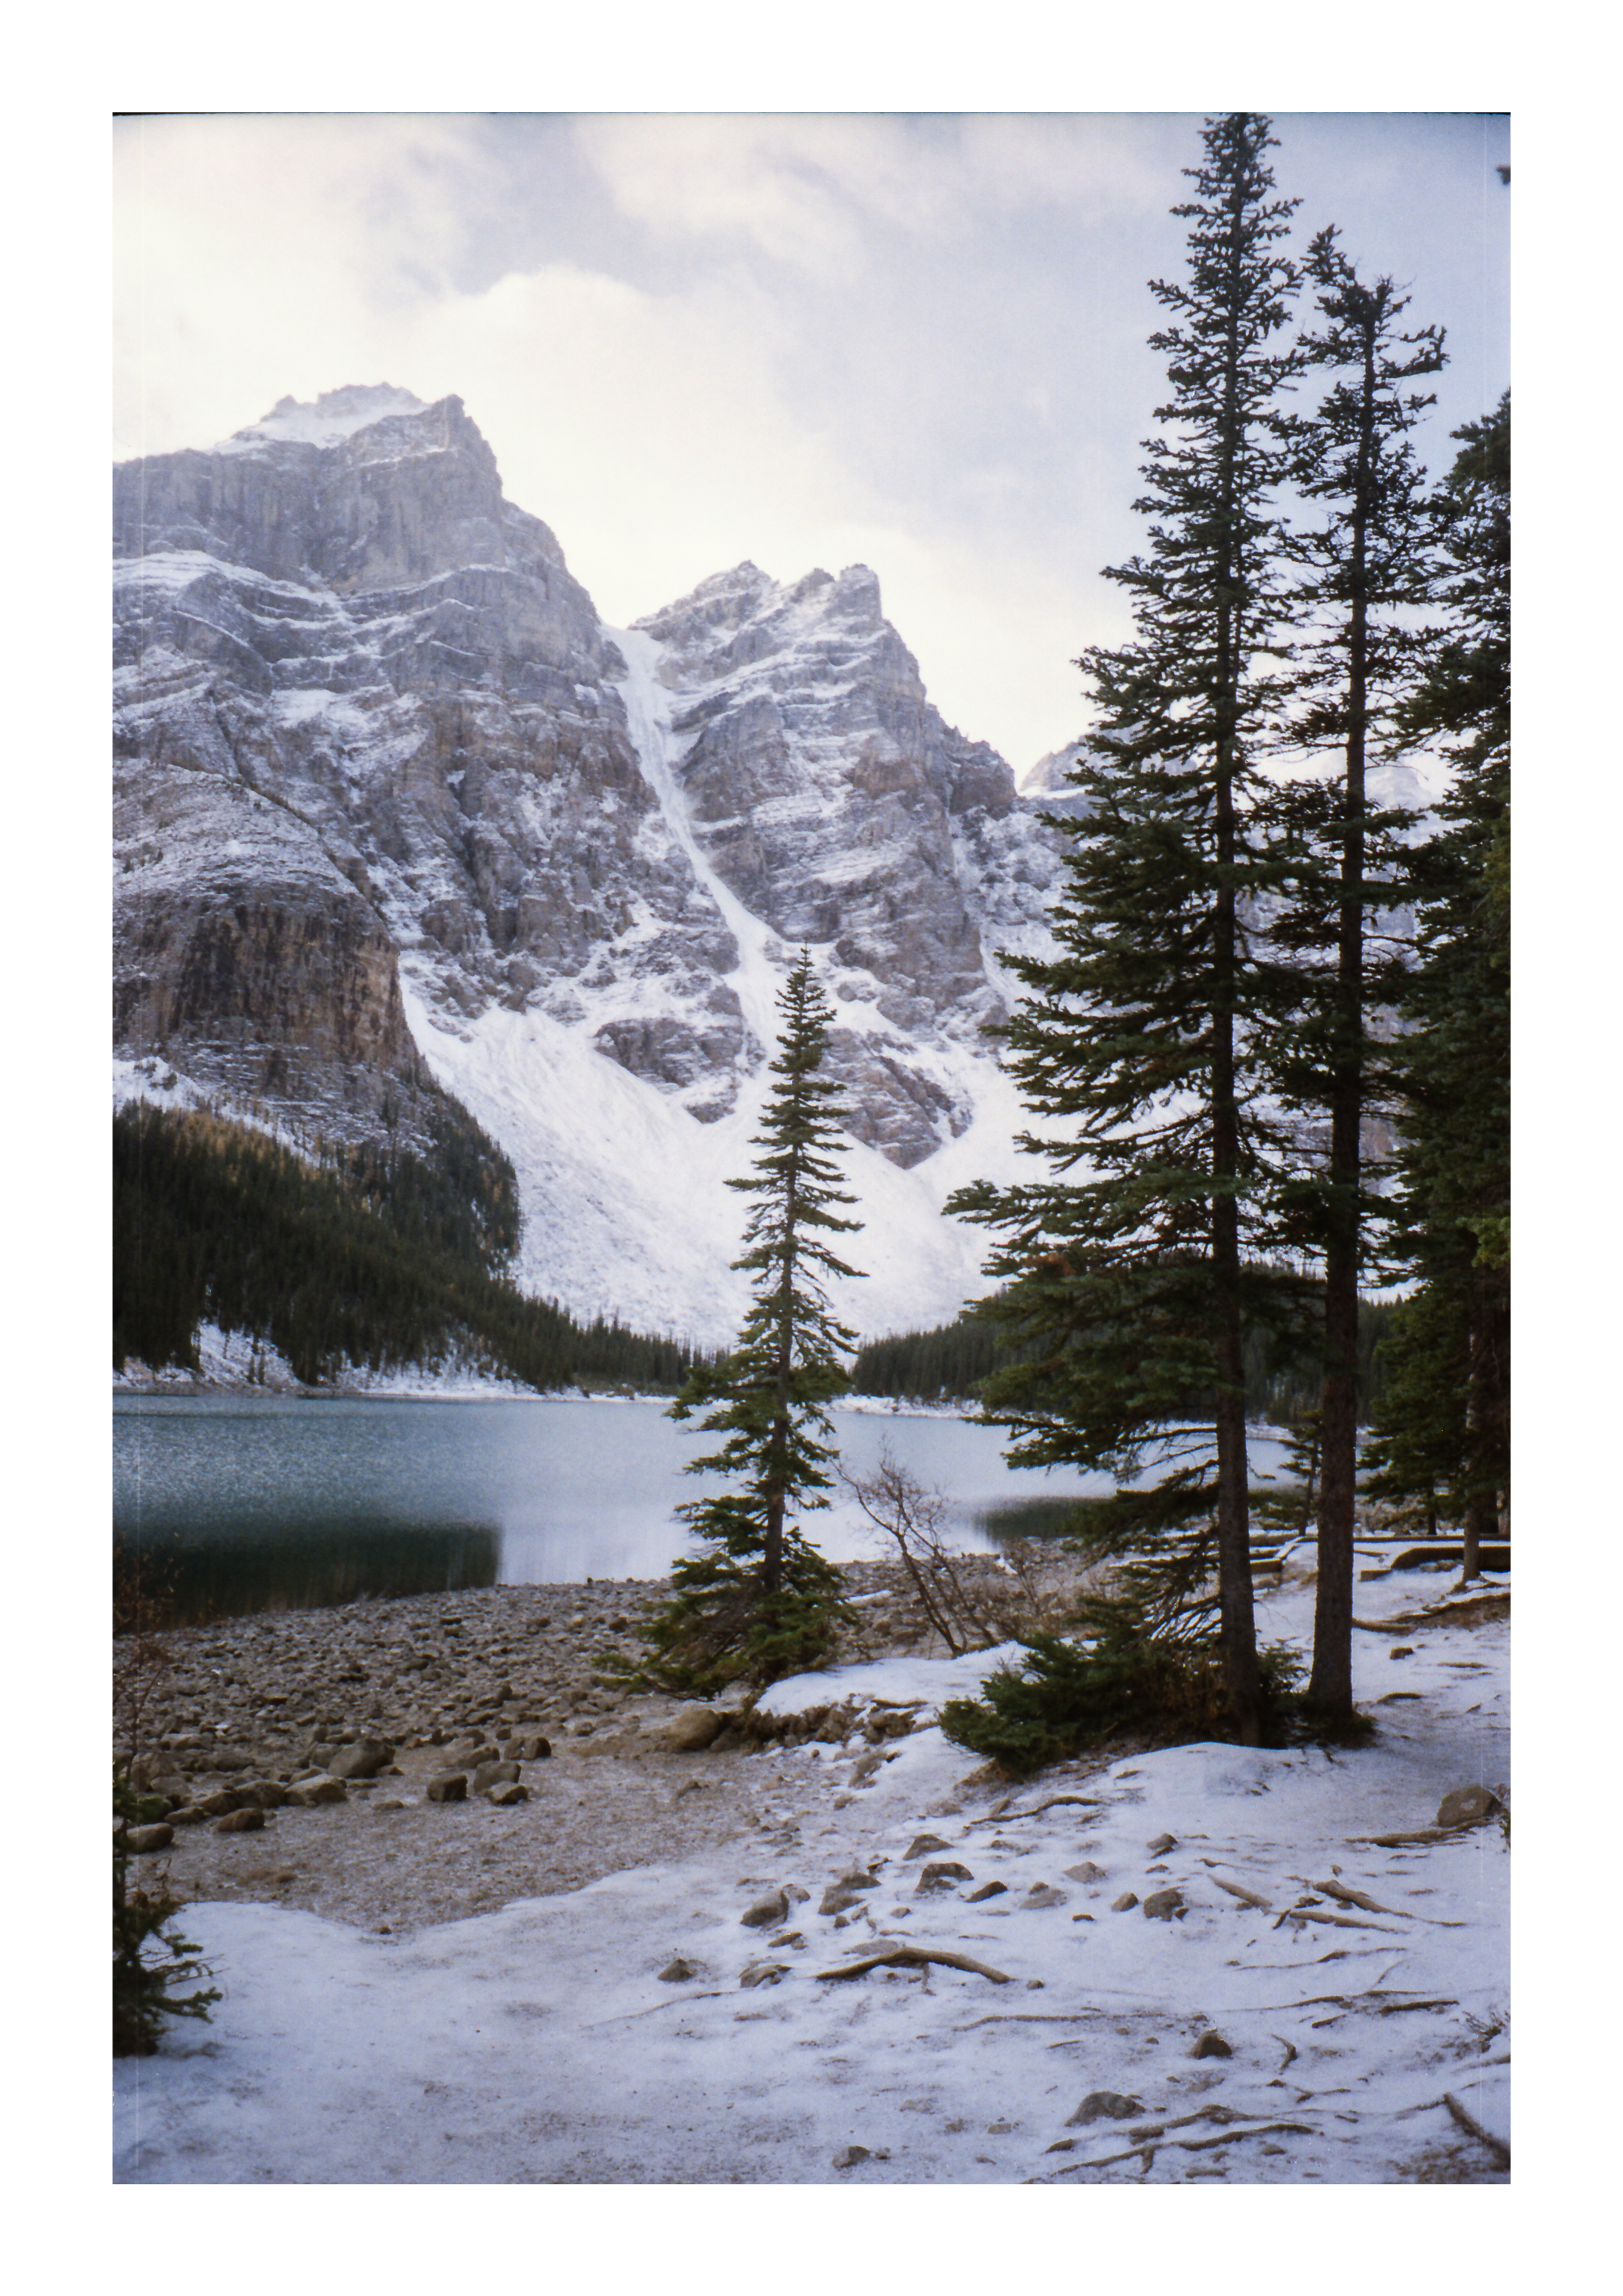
x=398 y=817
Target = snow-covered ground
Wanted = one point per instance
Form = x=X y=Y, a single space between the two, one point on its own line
x=547 y=2044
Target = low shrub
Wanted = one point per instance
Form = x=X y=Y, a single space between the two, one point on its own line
x=1065 y=1696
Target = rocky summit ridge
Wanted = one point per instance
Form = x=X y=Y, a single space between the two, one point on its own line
x=398 y=816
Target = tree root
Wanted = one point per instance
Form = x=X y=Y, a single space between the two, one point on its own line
x=914 y=1956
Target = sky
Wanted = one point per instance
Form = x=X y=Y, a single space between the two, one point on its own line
x=917 y=340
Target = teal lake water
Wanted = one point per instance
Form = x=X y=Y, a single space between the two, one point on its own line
x=285 y=1502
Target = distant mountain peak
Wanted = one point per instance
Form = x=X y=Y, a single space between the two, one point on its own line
x=327 y=421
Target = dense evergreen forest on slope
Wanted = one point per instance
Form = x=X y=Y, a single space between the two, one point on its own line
x=373 y=1260
x=948 y=1363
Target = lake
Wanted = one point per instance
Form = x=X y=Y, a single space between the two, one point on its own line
x=270 y=1502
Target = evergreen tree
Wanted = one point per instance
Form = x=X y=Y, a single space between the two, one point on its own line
x=1362 y=571
x=1455 y=1157
x=759 y=1600
x=1132 y=1287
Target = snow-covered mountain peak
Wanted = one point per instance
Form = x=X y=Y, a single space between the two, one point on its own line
x=330 y=419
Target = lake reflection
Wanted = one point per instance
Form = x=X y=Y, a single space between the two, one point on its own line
x=272 y=1501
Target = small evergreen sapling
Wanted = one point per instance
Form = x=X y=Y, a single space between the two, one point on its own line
x=759 y=1601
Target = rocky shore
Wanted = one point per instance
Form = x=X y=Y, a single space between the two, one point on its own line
x=392 y=1764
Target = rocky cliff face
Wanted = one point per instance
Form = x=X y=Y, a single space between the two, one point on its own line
x=393 y=805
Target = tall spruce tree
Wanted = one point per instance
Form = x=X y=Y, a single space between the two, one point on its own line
x=1132 y=1275
x=1363 y=569
x=1454 y=1156
x=758 y=1600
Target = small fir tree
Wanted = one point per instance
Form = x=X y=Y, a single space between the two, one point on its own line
x=759 y=1601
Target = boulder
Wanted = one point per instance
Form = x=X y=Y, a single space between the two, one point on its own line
x=766 y=1912
x=1104 y=2105
x=364 y=1759
x=678 y=1972
x=763 y=1973
x=1161 y=1904
x=1162 y=1843
x=450 y=1785
x=532 y=1748
x=1466 y=1805
x=1086 y=1871
x=1040 y=1894
x=312 y=1793
x=936 y=1879
x=987 y=1890
x=692 y=1728
x=921 y=1845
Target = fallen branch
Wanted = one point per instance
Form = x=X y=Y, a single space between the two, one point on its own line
x=1002 y=1814
x=1473 y=2127
x=1192 y=2144
x=915 y=1956
x=1399 y=1912
x=1421 y=1835
x=1336 y=1921
x=1246 y=1897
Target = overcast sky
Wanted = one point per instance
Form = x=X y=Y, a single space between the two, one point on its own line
x=918 y=341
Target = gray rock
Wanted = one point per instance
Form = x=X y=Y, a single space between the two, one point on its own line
x=222 y=1801
x=1086 y=1871
x=313 y=1794
x=143 y=1837
x=1104 y=2105
x=692 y=1728
x=838 y=1900
x=450 y=1785
x=763 y=1973
x=493 y=1774
x=1211 y=2044
x=1466 y=1805
x=248 y=1820
x=1162 y=1843
x=1402 y=1650
x=936 y=1880
x=1161 y=1904
x=364 y=1759
x=678 y=1972
x=987 y=1890
x=848 y=2157
x=1125 y=1903
x=1041 y=1894
x=533 y=1749
x=865 y=1766
x=506 y=1793
x=921 y=1845
x=766 y=1912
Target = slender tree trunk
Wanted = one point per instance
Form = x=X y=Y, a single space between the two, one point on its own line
x=1237 y=1622
x=1329 y=1687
